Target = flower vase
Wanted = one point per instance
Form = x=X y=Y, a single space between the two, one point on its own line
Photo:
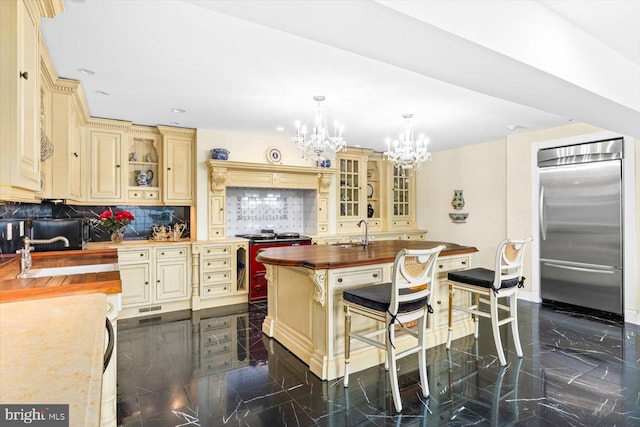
x=117 y=236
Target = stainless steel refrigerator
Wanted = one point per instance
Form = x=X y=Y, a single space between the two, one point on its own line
x=580 y=212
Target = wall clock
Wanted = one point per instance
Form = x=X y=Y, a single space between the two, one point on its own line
x=274 y=155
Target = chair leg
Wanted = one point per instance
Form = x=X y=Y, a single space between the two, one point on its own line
x=513 y=308
x=347 y=344
x=476 y=317
x=449 y=333
x=422 y=355
x=496 y=329
x=393 y=372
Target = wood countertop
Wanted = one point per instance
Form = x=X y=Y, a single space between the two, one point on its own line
x=13 y=289
x=319 y=257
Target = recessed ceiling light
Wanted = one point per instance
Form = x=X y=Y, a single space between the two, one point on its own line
x=86 y=71
x=280 y=129
x=513 y=127
x=103 y=93
x=178 y=110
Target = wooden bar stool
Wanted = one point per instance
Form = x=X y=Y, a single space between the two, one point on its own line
x=502 y=282
x=404 y=300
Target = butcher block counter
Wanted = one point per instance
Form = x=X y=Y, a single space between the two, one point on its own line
x=305 y=309
x=107 y=282
x=52 y=328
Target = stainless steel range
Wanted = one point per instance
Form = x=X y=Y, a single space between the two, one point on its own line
x=263 y=240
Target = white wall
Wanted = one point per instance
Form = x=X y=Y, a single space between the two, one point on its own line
x=480 y=171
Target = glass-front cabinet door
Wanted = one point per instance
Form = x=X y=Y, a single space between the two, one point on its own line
x=350 y=203
x=402 y=201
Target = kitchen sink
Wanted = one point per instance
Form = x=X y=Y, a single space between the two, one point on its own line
x=64 y=271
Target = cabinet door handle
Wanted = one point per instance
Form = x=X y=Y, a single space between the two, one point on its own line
x=24 y=75
x=168 y=169
x=117 y=166
x=158 y=281
x=440 y=266
x=146 y=283
x=75 y=155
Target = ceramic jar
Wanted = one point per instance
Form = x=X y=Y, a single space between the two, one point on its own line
x=458 y=200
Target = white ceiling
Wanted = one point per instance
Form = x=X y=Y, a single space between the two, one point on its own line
x=466 y=69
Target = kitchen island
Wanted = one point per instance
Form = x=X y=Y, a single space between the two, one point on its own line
x=305 y=310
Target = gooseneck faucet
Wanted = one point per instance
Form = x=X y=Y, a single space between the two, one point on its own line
x=366 y=231
x=25 y=252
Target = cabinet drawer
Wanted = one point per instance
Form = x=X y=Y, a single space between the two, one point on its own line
x=452 y=264
x=221 y=351
x=216 y=277
x=373 y=275
x=143 y=194
x=215 y=324
x=216 y=290
x=166 y=253
x=402 y=223
x=133 y=256
x=151 y=195
x=217 y=250
x=217 y=338
x=215 y=264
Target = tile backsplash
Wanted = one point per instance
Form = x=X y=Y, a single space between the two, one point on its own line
x=145 y=216
x=250 y=210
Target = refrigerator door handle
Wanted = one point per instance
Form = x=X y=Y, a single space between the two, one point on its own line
x=543 y=227
x=588 y=270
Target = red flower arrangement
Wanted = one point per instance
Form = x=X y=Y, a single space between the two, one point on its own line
x=114 y=221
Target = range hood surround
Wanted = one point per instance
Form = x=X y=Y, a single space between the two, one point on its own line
x=224 y=174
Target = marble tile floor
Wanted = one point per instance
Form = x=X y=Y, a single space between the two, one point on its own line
x=214 y=368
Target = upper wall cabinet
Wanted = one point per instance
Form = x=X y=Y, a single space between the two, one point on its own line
x=178 y=165
x=144 y=174
x=20 y=100
x=371 y=188
x=107 y=148
x=401 y=199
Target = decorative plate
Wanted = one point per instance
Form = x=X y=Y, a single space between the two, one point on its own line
x=274 y=155
x=369 y=190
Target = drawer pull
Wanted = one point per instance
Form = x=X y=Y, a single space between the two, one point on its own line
x=161 y=253
x=440 y=266
x=339 y=279
x=464 y=262
x=225 y=250
x=225 y=263
x=180 y=252
x=208 y=251
x=439 y=302
x=141 y=254
x=375 y=275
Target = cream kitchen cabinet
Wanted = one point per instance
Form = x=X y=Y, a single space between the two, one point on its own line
x=172 y=273
x=402 y=204
x=178 y=166
x=106 y=171
x=352 y=189
x=222 y=277
x=20 y=101
x=155 y=278
x=143 y=166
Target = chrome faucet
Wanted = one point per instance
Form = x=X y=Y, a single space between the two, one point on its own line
x=366 y=231
x=25 y=252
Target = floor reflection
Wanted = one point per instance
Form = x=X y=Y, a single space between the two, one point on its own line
x=214 y=367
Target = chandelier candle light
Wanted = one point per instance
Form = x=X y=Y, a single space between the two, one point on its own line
x=319 y=145
x=408 y=153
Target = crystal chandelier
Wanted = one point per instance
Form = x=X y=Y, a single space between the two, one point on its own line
x=407 y=153
x=318 y=145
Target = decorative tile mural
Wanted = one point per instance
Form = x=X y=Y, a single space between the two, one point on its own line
x=251 y=210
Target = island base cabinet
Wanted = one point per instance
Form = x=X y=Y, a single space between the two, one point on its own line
x=306 y=314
